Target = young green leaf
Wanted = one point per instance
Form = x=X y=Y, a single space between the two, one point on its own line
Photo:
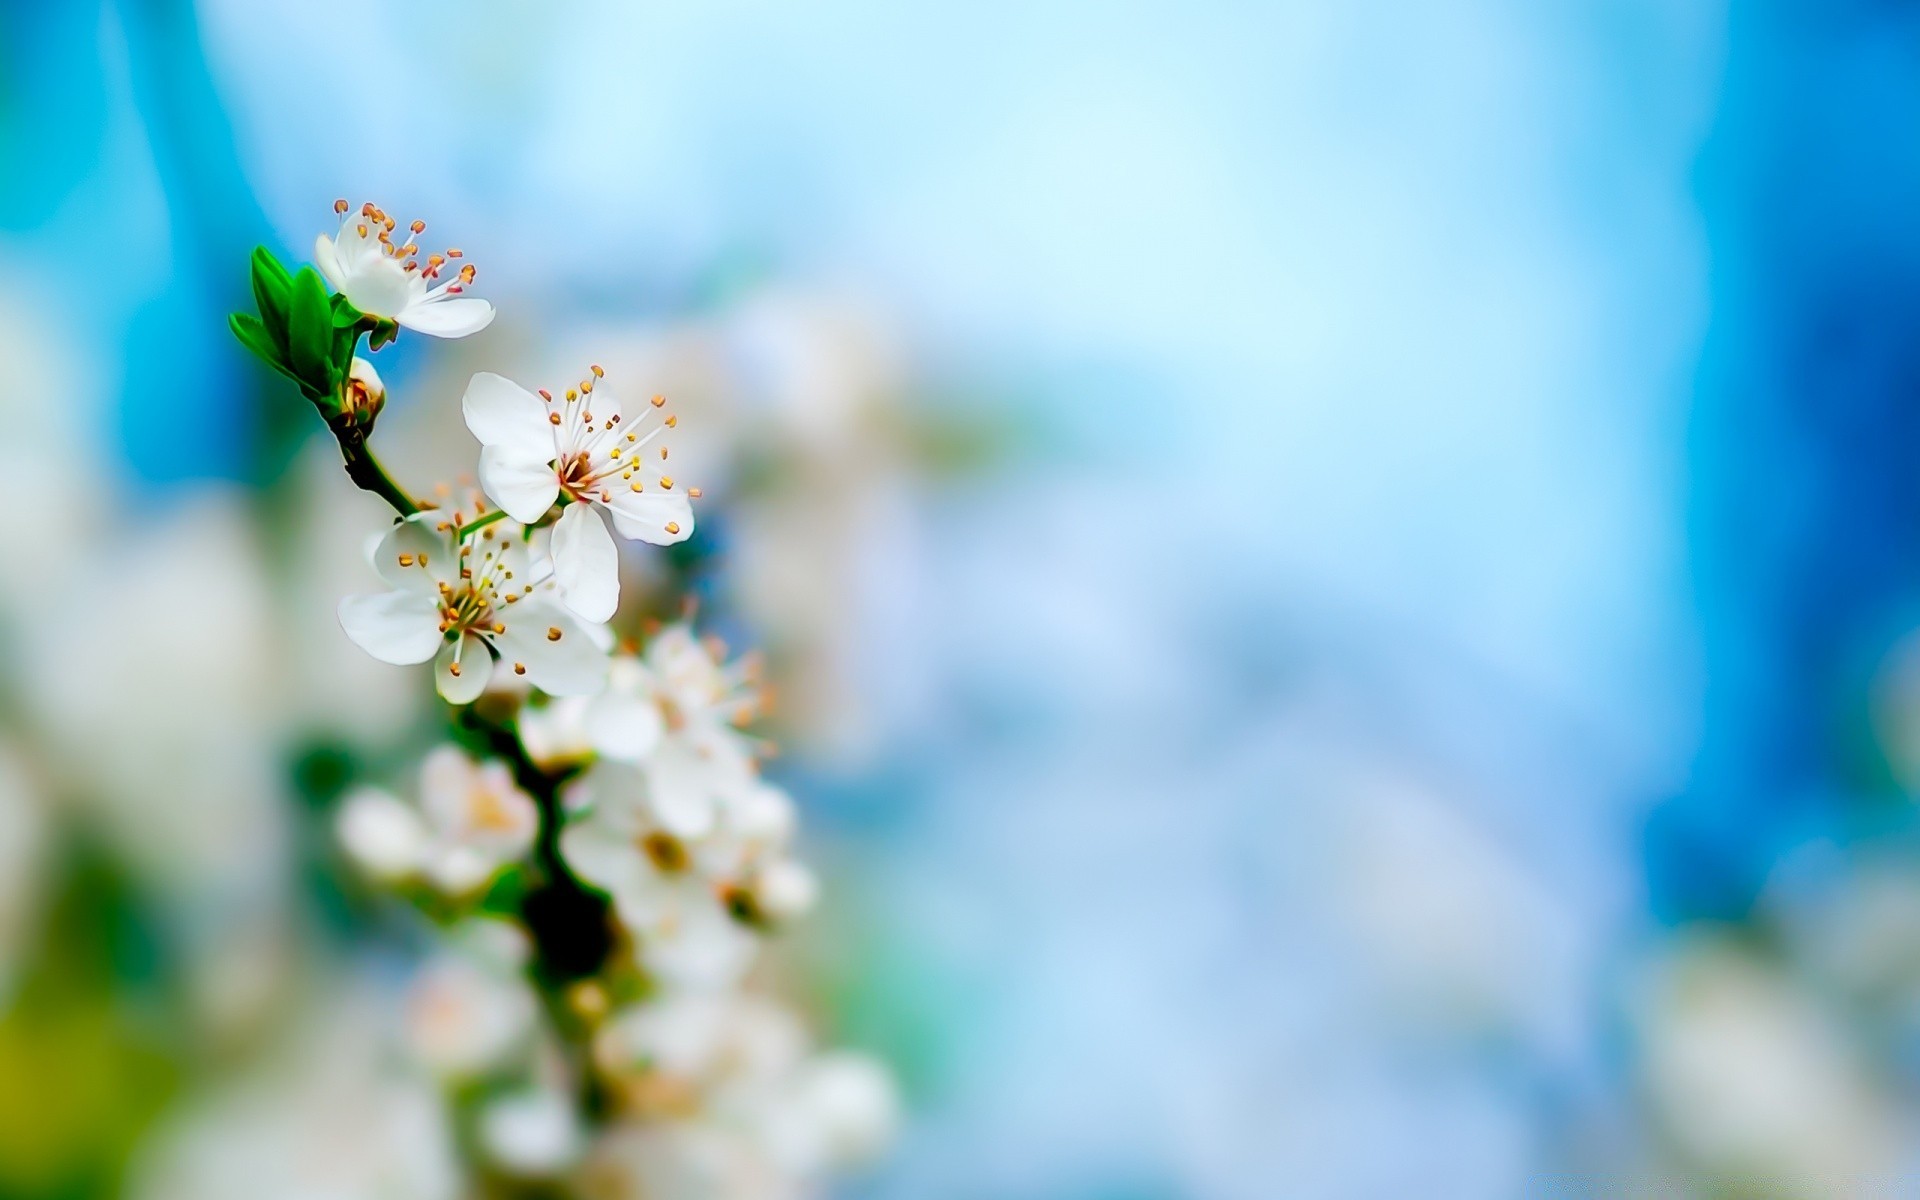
x=255 y=337
x=310 y=333
x=270 y=292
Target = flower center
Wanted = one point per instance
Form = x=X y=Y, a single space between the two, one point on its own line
x=466 y=607
x=576 y=474
x=665 y=851
x=490 y=812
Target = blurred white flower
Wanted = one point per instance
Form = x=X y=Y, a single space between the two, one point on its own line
x=684 y=1160
x=838 y=1111
x=383 y=278
x=705 y=1040
x=1753 y=1082
x=740 y=1067
x=328 y=1117
x=469 y=1009
x=531 y=1133
x=472 y=820
x=188 y=788
x=466 y=599
x=675 y=711
x=535 y=448
x=668 y=885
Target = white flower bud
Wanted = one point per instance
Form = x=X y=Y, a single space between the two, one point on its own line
x=531 y=1133
x=786 y=889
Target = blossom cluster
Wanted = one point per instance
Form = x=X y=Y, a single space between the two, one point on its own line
x=596 y=843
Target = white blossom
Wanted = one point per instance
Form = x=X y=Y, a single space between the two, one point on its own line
x=469 y=1008
x=537 y=449
x=531 y=1133
x=739 y=1070
x=676 y=712
x=385 y=278
x=670 y=887
x=461 y=601
x=471 y=821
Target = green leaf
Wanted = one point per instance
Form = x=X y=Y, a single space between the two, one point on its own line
x=270 y=291
x=344 y=343
x=255 y=337
x=310 y=333
x=384 y=331
x=345 y=315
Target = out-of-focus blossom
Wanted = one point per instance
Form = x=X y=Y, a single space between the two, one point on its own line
x=459 y=608
x=532 y=1133
x=684 y=1160
x=738 y=1071
x=468 y=1009
x=188 y=787
x=583 y=445
x=676 y=712
x=1753 y=1082
x=471 y=821
x=666 y=885
x=331 y=1118
x=384 y=278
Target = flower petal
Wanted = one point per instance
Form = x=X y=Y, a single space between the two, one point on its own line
x=401 y=628
x=658 y=517
x=525 y=487
x=554 y=647
x=408 y=553
x=601 y=851
x=448 y=318
x=383 y=835
x=474 y=669
x=586 y=564
x=328 y=261
x=624 y=727
x=681 y=788
x=502 y=413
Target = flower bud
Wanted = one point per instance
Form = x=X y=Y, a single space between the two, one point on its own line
x=363 y=395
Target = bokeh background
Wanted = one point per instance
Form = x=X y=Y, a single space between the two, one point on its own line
x=1344 y=575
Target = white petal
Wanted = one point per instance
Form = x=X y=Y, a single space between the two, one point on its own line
x=586 y=564
x=531 y=1133
x=601 y=852
x=382 y=835
x=623 y=726
x=646 y=515
x=681 y=787
x=415 y=540
x=526 y=488
x=759 y=812
x=502 y=413
x=446 y=776
x=704 y=947
x=450 y=318
x=457 y=870
x=328 y=261
x=570 y=664
x=787 y=889
x=395 y=627
x=476 y=667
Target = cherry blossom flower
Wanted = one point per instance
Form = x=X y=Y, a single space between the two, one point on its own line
x=471 y=821
x=461 y=601
x=537 y=449
x=675 y=711
x=385 y=278
x=673 y=889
